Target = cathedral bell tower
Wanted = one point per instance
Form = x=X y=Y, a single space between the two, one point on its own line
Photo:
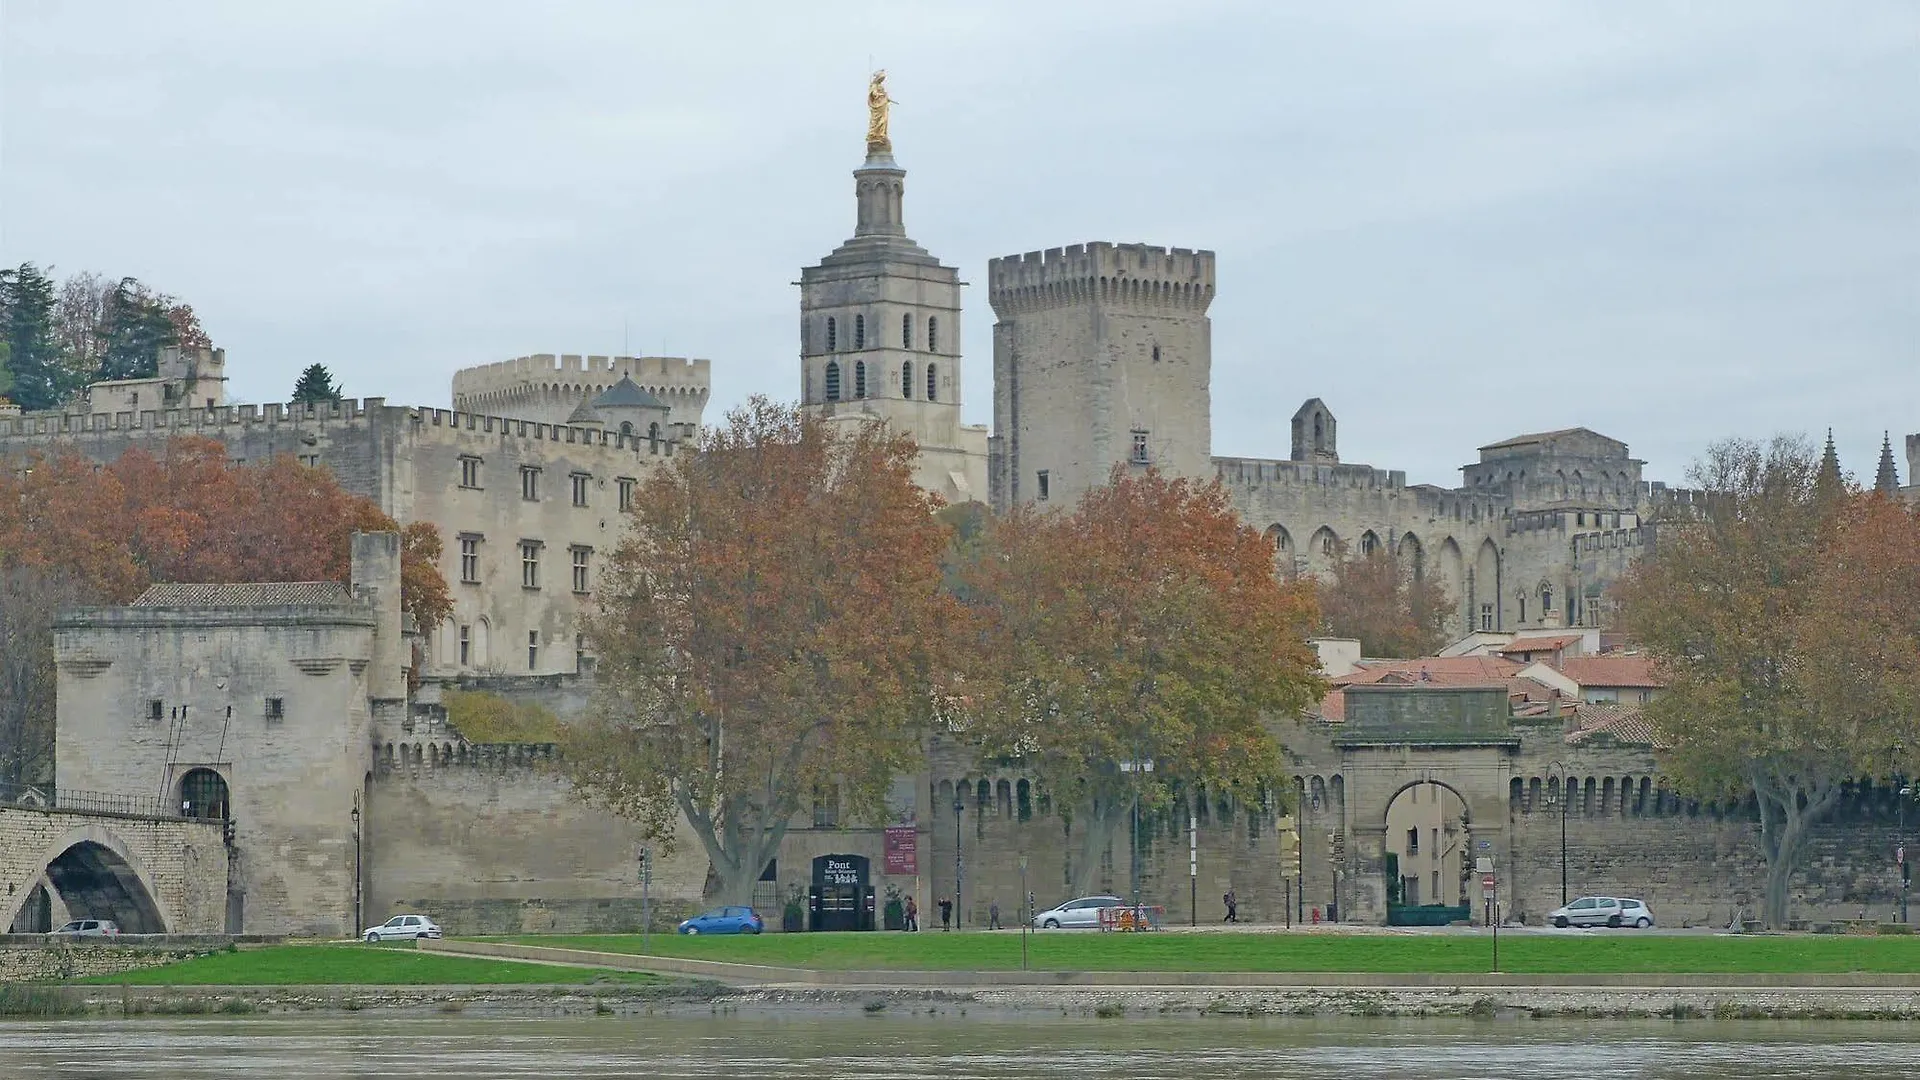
x=880 y=326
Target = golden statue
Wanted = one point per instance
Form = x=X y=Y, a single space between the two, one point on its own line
x=877 y=102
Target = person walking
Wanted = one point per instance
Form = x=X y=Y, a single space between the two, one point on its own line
x=1233 y=906
x=946 y=914
x=993 y=916
x=913 y=914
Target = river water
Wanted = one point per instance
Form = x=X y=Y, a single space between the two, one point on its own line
x=950 y=1048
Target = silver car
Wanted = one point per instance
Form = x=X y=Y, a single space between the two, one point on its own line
x=1083 y=912
x=402 y=928
x=88 y=928
x=1603 y=911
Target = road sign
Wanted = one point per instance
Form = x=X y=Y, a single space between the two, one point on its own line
x=1486 y=882
x=1900 y=854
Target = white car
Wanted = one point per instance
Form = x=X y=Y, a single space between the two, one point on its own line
x=88 y=928
x=403 y=928
x=1083 y=912
x=1603 y=911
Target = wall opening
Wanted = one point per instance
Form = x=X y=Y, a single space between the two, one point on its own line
x=94 y=882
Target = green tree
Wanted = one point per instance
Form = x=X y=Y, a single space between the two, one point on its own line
x=1145 y=625
x=135 y=325
x=315 y=385
x=1784 y=613
x=39 y=378
x=771 y=624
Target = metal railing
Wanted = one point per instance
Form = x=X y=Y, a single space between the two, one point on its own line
x=47 y=797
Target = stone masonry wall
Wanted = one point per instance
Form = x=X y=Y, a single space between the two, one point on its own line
x=183 y=864
x=59 y=963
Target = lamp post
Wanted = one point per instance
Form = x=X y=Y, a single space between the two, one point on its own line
x=1026 y=916
x=356 y=863
x=1135 y=768
x=1900 y=852
x=1559 y=770
x=959 y=807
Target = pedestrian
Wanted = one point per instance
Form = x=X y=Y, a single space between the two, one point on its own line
x=993 y=916
x=946 y=914
x=1233 y=906
x=913 y=914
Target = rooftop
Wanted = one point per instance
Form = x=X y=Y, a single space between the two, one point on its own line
x=1614 y=669
x=246 y=595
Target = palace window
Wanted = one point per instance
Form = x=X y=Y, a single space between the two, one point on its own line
x=931 y=384
x=653 y=437
x=155 y=710
x=1042 y=493
x=833 y=335
x=1413 y=841
x=1139 y=447
x=906 y=333
x=859 y=331
x=906 y=380
x=581 y=481
x=530 y=482
x=529 y=564
x=469 y=472
x=826 y=806
x=625 y=486
x=580 y=568
x=470 y=560
x=276 y=708
x=533 y=649
x=1156 y=359
x=580 y=652
x=1486 y=616
x=860 y=378
x=466 y=645
x=833 y=380
x=933 y=333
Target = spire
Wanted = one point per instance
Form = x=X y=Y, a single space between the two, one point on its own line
x=1830 y=463
x=1886 y=480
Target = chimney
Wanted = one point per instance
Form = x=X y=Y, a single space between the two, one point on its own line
x=375 y=578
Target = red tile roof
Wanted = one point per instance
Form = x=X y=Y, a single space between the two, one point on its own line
x=1625 y=724
x=1615 y=669
x=1433 y=670
x=1539 y=644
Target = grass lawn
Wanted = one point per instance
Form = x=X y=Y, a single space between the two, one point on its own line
x=1071 y=951
x=342 y=965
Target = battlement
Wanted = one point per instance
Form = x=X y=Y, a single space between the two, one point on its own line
x=225 y=420
x=675 y=372
x=1254 y=472
x=1593 y=543
x=1140 y=275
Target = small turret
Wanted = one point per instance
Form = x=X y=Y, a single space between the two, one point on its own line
x=630 y=410
x=1314 y=434
x=1886 y=479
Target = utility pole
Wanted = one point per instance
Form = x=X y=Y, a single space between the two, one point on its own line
x=1193 y=868
x=646 y=899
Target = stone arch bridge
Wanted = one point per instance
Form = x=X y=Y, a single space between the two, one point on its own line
x=151 y=874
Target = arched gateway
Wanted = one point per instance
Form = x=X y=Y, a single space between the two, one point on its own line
x=150 y=876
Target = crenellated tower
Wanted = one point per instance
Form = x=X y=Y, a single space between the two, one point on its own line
x=880 y=328
x=1102 y=354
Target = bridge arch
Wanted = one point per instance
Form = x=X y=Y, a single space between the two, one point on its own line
x=94 y=875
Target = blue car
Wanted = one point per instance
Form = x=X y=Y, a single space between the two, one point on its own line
x=724 y=920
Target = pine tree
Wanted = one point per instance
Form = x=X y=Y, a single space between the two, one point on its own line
x=135 y=327
x=316 y=384
x=39 y=379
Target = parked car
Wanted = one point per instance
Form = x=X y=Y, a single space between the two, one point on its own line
x=724 y=920
x=1083 y=912
x=1603 y=911
x=88 y=928
x=403 y=928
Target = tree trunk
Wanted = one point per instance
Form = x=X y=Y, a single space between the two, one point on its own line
x=1788 y=809
x=735 y=855
x=1098 y=820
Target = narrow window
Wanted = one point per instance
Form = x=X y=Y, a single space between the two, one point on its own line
x=653 y=437
x=1486 y=616
x=931 y=384
x=579 y=652
x=580 y=484
x=1156 y=354
x=833 y=380
x=276 y=708
x=580 y=569
x=529 y=483
x=1042 y=496
x=906 y=380
x=860 y=378
x=933 y=333
x=1139 y=447
x=470 y=560
x=833 y=343
x=859 y=331
x=529 y=564
x=1413 y=841
x=625 y=485
x=469 y=472
x=1523 y=609
x=155 y=710
x=906 y=333
x=466 y=645
x=826 y=806
x=533 y=649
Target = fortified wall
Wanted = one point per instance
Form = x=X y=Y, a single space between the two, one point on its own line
x=547 y=388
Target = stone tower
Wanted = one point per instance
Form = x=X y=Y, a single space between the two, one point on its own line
x=880 y=335
x=1101 y=354
x=1315 y=437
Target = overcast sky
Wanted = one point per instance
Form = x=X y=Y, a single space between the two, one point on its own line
x=1454 y=222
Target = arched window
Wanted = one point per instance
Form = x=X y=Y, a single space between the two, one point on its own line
x=653 y=434
x=626 y=428
x=906 y=333
x=203 y=794
x=833 y=380
x=906 y=380
x=933 y=333
x=932 y=382
x=833 y=342
x=859 y=331
x=1156 y=354
x=860 y=379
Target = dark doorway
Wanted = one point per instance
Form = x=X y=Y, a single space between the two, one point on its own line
x=96 y=883
x=203 y=794
x=840 y=898
x=36 y=915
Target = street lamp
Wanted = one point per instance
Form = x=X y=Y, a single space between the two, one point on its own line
x=1900 y=853
x=356 y=863
x=1026 y=913
x=1135 y=767
x=1559 y=770
x=959 y=807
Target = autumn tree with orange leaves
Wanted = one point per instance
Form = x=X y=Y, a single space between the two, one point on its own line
x=1785 y=618
x=773 y=623
x=1144 y=625
x=72 y=530
x=1390 y=610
